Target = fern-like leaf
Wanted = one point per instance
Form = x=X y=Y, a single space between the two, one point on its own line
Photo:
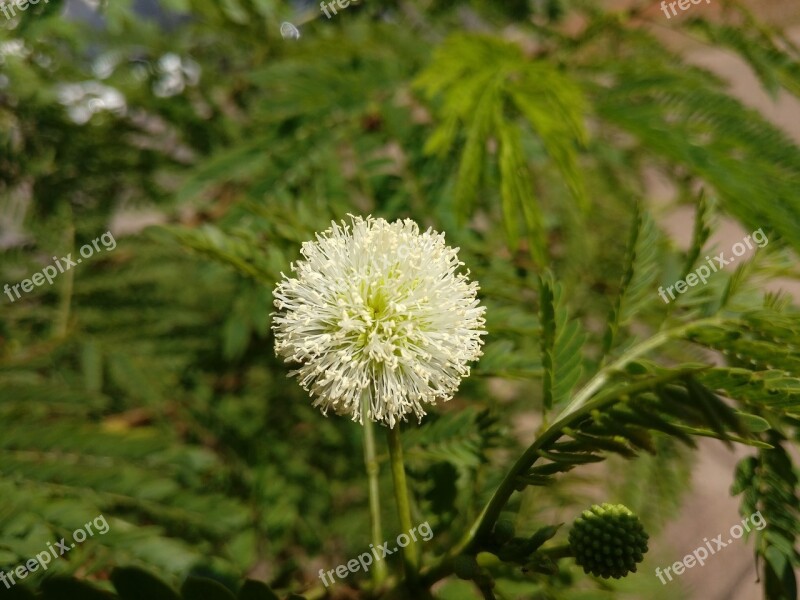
x=562 y=342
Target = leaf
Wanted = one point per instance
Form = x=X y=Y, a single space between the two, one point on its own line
x=92 y=365
x=256 y=590
x=561 y=341
x=616 y=444
x=774 y=67
x=236 y=336
x=235 y=12
x=772 y=390
x=202 y=588
x=489 y=89
x=654 y=485
x=641 y=268
x=63 y=588
x=700 y=234
x=676 y=113
x=132 y=583
x=459 y=438
x=753 y=423
x=779 y=579
x=571 y=458
x=438 y=486
x=240 y=250
x=471 y=166
x=18 y=592
x=516 y=191
x=542 y=93
x=768 y=484
x=543 y=534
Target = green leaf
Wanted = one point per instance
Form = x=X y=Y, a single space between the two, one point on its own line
x=202 y=588
x=488 y=88
x=92 y=365
x=700 y=235
x=235 y=12
x=132 y=583
x=562 y=342
x=240 y=250
x=62 y=588
x=516 y=191
x=677 y=114
x=768 y=484
x=542 y=535
x=774 y=66
x=459 y=438
x=616 y=444
x=471 y=167
x=780 y=582
x=572 y=458
x=753 y=423
x=256 y=590
x=636 y=289
x=653 y=486
x=17 y=592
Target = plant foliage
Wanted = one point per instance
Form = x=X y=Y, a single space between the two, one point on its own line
x=142 y=385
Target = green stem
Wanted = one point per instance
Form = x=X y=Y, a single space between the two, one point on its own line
x=501 y=496
x=410 y=552
x=556 y=552
x=379 y=571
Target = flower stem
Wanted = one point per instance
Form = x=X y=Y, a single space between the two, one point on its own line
x=379 y=571
x=410 y=552
x=556 y=552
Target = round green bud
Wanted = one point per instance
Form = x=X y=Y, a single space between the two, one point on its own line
x=466 y=567
x=608 y=541
x=503 y=531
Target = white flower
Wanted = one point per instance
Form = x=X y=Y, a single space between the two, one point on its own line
x=378 y=313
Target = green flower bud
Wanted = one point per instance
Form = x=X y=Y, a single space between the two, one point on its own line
x=466 y=567
x=608 y=541
x=503 y=531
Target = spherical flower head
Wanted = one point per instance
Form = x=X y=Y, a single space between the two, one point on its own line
x=608 y=541
x=378 y=313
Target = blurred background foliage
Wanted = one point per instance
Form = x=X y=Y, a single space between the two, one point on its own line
x=142 y=385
